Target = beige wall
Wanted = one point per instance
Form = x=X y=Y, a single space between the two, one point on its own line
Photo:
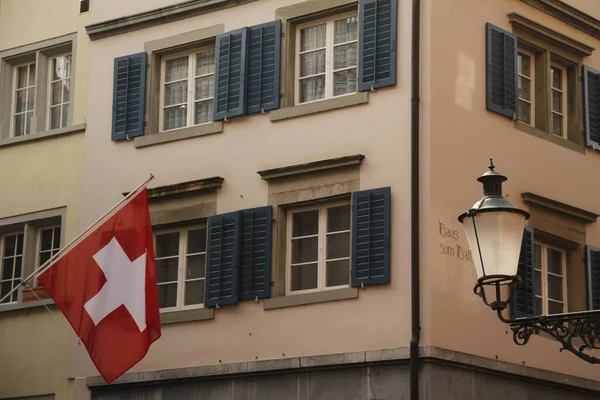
x=378 y=318
x=36 y=176
x=463 y=135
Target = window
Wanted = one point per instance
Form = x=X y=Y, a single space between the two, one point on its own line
x=187 y=89
x=326 y=61
x=23 y=99
x=181 y=267
x=526 y=83
x=558 y=86
x=12 y=261
x=60 y=91
x=48 y=244
x=551 y=284
x=318 y=248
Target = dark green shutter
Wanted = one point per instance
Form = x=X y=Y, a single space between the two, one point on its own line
x=255 y=253
x=377 y=44
x=371 y=237
x=222 y=264
x=129 y=93
x=230 y=74
x=523 y=300
x=501 y=71
x=264 y=51
x=593 y=277
x=591 y=106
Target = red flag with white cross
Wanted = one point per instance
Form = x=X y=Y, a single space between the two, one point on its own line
x=106 y=287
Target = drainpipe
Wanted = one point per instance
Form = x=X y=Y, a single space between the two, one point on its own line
x=414 y=206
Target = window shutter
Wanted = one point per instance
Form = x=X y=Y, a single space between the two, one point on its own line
x=255 y=253
x=501 y=74
x=264 y=52
x=377 y=44
x=593 y=277
x=230 y=74
x=591 y=106
x=222 y=266
x=371 y=237
x=523 y=301
x=129 y=95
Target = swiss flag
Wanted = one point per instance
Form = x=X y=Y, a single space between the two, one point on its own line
x=106 y=288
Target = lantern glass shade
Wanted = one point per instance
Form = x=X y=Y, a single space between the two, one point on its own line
x=499 y=234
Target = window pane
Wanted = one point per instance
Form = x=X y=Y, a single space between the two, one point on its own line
x=312 y=88
x=338 y=219
x=176 y=69
x=555 y=308
x=22 y=77
x=205 y=63
x=338 y=245
x=196 y=241
x=555 y=260
x=524 y=62
x=10 y=245
x=5 y=287
x=524 y=112
x=30 y=98
x=313 y=37
x=524 y=88
x=66 y=91
x=167 y=244
x=56 y=93
x=56 y=244
x=167 y=295
x=176 y=93
x=65 y=114
x=312 y=63
x=175 y=117
x=20 y=124
x=7 y=268
x=305 y=223
x=557 y=101
x=537 y=256
x=46 y=239
x=304 y=277
x=537 y=304
x=31 y=81
x=555 y=287
x=61 y=67
x=338 y=273
x=195 y=266
x=166 y=269
x=20 y=101
x=345 y=56
x=28 y=118
x=18 y=263
x=205 y=87
x=194 y=292
x=44 y=256
x=346 y=30
x=204 y=111
x=304 y=250
x=557 y=124
x=344 y=82
x=556 y=78
x=55 y=118
x=20 y=243
x=537 y=288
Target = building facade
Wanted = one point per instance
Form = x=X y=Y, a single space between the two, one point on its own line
x=279 y=133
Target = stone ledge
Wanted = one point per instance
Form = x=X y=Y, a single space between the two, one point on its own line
x=25 y=305
x=314 y=166
x=183 y=189
x=310 y=298
x=569 y=15
x=178 y=134
x=319 y=106
x=200 y=314
x=558 y=207
x=54 y=133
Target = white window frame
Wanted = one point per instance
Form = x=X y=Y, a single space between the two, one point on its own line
x=531 y=78
x=321 y=248
x=545 y=273
x=38 y=245
x=563 y=91
x=329 y=56
x=191 y=86
x=49 y=92
x=181 y=267
x=13 y=105
x=2 y=241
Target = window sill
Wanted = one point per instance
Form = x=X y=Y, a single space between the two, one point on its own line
x=566 y=143
x=319 y=106
x=25 y=305
x=42 y=135
x=199 y=314
x=310 y=298
x=178 y=134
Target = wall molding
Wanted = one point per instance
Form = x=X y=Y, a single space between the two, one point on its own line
x=314 y=166
x=567 y=210
x=569 y=15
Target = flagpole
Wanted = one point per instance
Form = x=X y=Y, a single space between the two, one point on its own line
x=79 y=237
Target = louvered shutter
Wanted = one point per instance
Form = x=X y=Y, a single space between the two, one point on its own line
x=255 y=253
x=593 y=277
x=230 y=74
x=264 y=52
x=591 y=106
x=222 y=263
x=371 y=237
x=129 y=93
x=523 y=300
x=377 y=44
x=501 y=74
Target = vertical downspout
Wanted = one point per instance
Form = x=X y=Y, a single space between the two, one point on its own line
x=414 y=204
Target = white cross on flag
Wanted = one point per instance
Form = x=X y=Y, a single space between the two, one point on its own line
x=106 y=288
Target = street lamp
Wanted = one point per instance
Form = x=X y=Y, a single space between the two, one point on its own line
x=494 y=229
